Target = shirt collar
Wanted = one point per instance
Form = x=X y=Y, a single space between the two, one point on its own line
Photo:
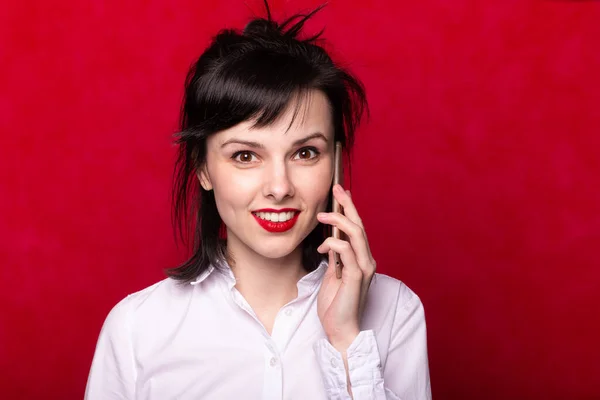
x=203 y=275
x=221 y=266
x=313 y=278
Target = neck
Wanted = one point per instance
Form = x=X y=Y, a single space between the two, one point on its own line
x=266 y=283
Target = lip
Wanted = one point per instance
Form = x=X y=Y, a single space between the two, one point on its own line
x=277 y=227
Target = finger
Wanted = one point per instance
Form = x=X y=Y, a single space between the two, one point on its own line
x=350 y=269
x=349 y=210
x=345 y=200
x=357 y=282
x=355 y=235
x=331 y=265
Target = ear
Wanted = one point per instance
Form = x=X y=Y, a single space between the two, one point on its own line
x=204 y=178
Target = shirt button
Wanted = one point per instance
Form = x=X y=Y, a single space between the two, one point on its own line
x=273 y=361
x=334 y=363
x=288 y=312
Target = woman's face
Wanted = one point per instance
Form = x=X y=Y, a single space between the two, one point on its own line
x=269 y=183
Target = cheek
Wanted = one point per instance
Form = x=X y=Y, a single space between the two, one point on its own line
x=232 y=191
x=316 y=187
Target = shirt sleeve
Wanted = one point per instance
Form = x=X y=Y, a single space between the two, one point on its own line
x=112 y=374
x=364 y=369
x=405 y=375
x=406 y=371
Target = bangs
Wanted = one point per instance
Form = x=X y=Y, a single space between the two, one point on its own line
x=258 y=86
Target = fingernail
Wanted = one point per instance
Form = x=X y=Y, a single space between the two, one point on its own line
x=348 y=193
x=322 y=215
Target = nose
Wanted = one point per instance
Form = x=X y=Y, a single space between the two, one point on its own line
x=278 y=185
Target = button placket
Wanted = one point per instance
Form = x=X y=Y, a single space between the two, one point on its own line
x=273 y=355
x=273 y=377
x=283 y=327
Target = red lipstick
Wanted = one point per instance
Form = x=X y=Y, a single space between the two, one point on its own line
x=275 y=227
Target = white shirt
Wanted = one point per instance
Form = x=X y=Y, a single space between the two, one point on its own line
x=203 y=341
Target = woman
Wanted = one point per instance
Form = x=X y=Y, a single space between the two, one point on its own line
x=258 y=312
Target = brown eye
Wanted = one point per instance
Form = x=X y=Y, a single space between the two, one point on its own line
x=304 y=154
x=307 y=153
x=243 y=157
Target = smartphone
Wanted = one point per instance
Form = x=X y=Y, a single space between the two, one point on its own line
x=338 y=178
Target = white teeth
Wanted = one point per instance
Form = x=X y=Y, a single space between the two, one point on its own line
x=276 y=217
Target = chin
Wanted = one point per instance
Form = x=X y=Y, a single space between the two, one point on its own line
x=275 y=250
x=275 y=246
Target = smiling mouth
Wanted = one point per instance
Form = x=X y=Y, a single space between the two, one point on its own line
x=278 y=221
x=276 y=216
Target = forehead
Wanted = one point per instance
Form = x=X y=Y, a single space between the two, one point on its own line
x=307 y=114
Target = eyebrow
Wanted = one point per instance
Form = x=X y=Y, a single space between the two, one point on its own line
x=317 y=135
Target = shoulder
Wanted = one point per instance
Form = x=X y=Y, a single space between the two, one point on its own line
x=391 y=299
x=153 y=300
x=389 y=289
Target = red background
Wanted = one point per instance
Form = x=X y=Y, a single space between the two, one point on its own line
x=477 y=176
